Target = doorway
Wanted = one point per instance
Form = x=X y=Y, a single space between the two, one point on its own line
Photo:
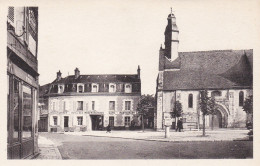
x=97 y=122
x=216 y=120
x=66 y=121
x=43 y=124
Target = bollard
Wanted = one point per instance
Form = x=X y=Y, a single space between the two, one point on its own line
x=167 y=131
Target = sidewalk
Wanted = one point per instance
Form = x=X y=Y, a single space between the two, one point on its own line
x=215 y=135
x=47 y=149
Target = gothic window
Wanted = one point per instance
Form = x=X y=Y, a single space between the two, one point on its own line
x=241 y=98
x=190 y=101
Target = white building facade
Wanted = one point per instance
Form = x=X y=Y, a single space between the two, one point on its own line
x=92 y=102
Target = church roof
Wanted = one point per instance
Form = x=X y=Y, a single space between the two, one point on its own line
x=219 y=69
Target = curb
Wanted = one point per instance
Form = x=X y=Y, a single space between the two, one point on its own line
x=140 y=139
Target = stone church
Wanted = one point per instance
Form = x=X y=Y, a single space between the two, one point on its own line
x=226 y=74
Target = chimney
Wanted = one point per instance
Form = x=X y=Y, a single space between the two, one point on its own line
x=77 y=73
x=138 y=72
x=58 y=75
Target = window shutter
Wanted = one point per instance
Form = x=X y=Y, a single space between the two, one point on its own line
x=84 y=106
x=60 y=105
x=74 y=106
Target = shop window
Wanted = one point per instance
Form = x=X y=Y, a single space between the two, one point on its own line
x=80 y=120
x=190 y=100
x=27 y=112
x=241 y=98
x=128 y=88
x=111 y=105
x=93 y=105
x=55 y=120
x=16 y=113
x=80 y=105
x=127 y=105
x=127 y=121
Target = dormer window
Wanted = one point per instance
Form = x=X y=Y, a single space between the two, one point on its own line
x=80 y=88
x=112 y=87
x=128 y=88
x=60 y=88
x=94 y=88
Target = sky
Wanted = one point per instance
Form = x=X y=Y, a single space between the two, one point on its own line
x=114 y=37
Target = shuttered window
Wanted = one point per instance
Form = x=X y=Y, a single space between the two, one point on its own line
x=11 y=13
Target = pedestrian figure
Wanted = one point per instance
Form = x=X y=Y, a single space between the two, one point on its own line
x=178 y=125
x=108 y=129
x=181 y=125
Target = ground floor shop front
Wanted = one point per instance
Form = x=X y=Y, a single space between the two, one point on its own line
x=60 y=122
x=22 y=114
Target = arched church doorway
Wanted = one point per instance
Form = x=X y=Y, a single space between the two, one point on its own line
x=219 y=119
x=216 y=120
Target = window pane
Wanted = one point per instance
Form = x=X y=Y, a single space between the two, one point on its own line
x=127 y=121
x=80 y=89
x=16 y=111
x=93 y=105
x=80 y=105
x=190 y=100
x=111 y=105
x=27 y=111
x=241 y=98
x=80 y=119
x=127 y=105
x=55 y=120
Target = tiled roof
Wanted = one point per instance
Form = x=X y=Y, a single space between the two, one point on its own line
x=99 y=78
x=211 y=69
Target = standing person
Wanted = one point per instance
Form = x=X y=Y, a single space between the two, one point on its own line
x=178 y=125
x=181 y=125
x=108 y=129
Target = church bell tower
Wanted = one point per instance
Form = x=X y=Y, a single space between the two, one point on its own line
x=171 y=38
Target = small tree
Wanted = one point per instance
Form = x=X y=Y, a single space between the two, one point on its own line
x=204 y=106
x=145 y=102
x=248 y=106
x=177 y=110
